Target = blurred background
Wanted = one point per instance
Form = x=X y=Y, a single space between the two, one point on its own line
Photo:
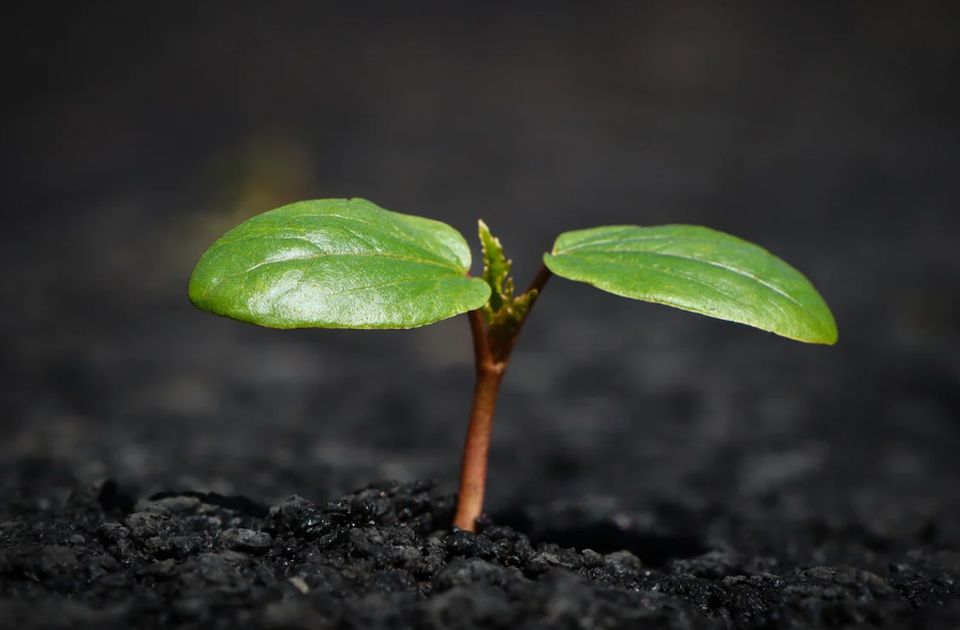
x=134 y=135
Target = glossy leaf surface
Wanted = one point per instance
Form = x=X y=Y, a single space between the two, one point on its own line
x=696 y=269
x=337 y=263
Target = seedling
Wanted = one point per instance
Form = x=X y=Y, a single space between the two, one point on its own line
x=339 y=263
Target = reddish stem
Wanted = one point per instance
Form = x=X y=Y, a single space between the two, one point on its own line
x=490 y=364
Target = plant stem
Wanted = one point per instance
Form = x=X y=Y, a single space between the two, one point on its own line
x=473 y=470
x=491 y=357
x=539 y=280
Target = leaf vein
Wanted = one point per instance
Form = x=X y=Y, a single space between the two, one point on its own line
x=697 y=280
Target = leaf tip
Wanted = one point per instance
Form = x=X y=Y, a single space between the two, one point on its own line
x=822 y=331
x=827 y=333
x=197 y=291
x=831 y=337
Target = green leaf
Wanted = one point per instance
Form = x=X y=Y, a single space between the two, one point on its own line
x=337 y=263
x=696 y=269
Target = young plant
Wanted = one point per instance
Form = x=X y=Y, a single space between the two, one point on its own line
x=347 y=263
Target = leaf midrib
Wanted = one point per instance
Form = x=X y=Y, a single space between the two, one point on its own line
x=396 y=229
x=729 y=240
x=434 y=280
x=733 y=270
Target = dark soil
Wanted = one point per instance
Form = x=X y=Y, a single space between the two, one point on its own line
x=384 y=557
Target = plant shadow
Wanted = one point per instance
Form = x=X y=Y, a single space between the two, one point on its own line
x=608 y=533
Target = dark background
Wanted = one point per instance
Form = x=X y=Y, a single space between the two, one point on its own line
x=133 y=134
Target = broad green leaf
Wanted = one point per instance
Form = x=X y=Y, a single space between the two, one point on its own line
x=337 y=263
x=696 y=269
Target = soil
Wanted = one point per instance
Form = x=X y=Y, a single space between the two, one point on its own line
x=385 y=557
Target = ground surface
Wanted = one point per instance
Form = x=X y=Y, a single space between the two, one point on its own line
x=384 y=557
x=756 y=482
